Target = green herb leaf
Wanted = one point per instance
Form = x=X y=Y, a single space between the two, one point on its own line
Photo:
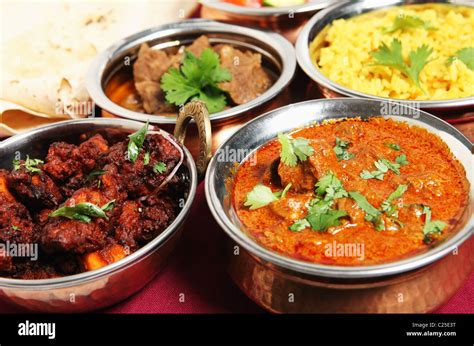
x=402 y=160
x=197 y=78
x=466 y=55
x=322 y=221
x=372 y=214
x=146 y=158
x=94 y=174
x=282 y=194
x=136 y=142
x=387 y=206
x=341 y=150
x=29 y=164
x=259 y=197
x=392 y=57
x=403 y=22
x=16 y=228
x=431 y=227
x=294 y=149
x=82 y=212
x=159 y=168
x=393 y=146
x=299 y=225
x=331 y=186
x=109 y=205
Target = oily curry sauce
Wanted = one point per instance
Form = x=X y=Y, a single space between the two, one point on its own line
x=433 y=177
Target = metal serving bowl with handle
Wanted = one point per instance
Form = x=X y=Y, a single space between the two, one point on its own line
x=268 y=277
x=347 y=9
x=110 y=77
x=108 y=285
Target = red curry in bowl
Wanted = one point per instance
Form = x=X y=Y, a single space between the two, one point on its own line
x=351 y=192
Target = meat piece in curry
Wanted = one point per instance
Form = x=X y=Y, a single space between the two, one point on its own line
x=390 y=188
x=89 y=204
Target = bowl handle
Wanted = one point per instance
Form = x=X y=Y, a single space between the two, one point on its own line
x=196 y=110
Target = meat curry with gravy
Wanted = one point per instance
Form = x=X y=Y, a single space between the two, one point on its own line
x=392 y=188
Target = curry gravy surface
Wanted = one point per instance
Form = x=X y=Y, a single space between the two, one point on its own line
x=434 y=178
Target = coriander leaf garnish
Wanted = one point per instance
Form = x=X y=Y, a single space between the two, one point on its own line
x=341 y=150
x=403 y=22
x=331 y=186
x=259 y=197
x=383 y=166
x=393 y=146
x=262 y=195
x=299 y=225
x=83 y=211
x=29 y=164
x=95 y=173
x=322 y=221
x=294 y=149
x=387 y=206
x=136 y=142
x=372 y=214
x=392 y=57
x=146 y=158
x=431 y=227
x=16 y=228
x=321 y=216
x=197 y=78
x=466 y=55
x=282 y=194
x=402 y=160
x=159 y=167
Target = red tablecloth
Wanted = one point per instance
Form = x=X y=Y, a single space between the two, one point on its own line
x=196 y=271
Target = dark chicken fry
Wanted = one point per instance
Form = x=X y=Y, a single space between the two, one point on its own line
x=88 y=205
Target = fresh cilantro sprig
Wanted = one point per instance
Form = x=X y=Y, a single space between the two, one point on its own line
x=159 y=168
x=262 y=195
x=197 y=79
x=83 y=211
x=372 y=214
x=135 y=142
x=294 y=149
x=392 y=57
x=321 y=215
x=403 y=22
x=383 y=166
x=393 y=146
x=340 y=149
x=466 y=55
x=387 y=207
x=29 y=164
x=431 y=226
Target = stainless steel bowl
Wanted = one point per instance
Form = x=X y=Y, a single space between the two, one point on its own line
x=279 y=272
x=278 y=57
x=349 y=9
x=110 y=284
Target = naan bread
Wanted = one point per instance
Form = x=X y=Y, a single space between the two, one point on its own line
x=47 y=47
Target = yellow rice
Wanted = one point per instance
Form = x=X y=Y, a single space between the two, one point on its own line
x=342 y=52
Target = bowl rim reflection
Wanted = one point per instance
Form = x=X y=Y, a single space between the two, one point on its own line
x=355 y=8
x=316 y=269
x=130 y=260
x=281 y=45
